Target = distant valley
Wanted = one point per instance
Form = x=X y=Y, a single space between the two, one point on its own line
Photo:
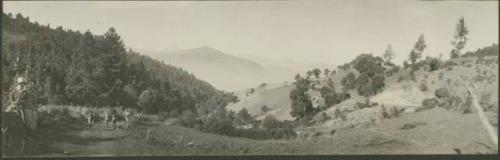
x=232 y=72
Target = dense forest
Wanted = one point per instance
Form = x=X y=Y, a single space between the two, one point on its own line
x=68 y=67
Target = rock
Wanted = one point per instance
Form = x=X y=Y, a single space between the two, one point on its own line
x=442 y=93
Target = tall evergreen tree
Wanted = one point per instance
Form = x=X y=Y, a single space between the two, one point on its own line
x=460 y=38
x=417 y=51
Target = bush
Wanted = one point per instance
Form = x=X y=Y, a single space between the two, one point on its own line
x=339 y=114
x=187 y=118
x=434 y=64
x=429 y=103
x=442 y=93
x=362 y=105
x=393 y=70
x=452 y=102
x=412 y=125
x=401 y=78
x=270 y=122
x=448 y=64
x=385 y=114
x=423 y=86
x=467 y=107
x=322 y=117
x=395 y=112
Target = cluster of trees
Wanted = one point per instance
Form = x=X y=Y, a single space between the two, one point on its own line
x=486 y=51
x=371 y=76
x=301 y=101
x=73 y=68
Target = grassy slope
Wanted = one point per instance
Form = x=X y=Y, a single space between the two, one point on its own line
x=275 y=96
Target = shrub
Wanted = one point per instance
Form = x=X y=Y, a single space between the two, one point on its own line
x=412 y=125
x=440 y=75
x=395 y=112
x=442 y=93
x=401 y=78
x=322 y=117
x=385 y=114
x=467 y=108
x=393 y=70
x=434 y=64
x=339 y=114
x=452 y=102
x=270 y=122
x=362 y=105
x=429 y=103
x=187 y=118
x=423 y=86
x=485 y=98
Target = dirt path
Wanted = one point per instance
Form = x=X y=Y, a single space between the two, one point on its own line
x=97 y=141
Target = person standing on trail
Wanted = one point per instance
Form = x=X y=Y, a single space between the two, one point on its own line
x=90 y=119
x=106 y=118
x=126 y=115
x=113 y=119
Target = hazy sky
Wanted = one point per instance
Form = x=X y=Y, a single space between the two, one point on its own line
x=332 y=31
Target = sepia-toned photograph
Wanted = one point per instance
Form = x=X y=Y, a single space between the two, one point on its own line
x=249 y=78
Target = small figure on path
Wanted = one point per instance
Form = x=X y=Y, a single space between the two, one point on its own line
x=106 y=118
x=126 y=115
x=90 y=119
x=113 y=119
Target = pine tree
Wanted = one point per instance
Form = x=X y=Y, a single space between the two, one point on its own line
x=417 y=51
x=460 y=38
x=389 y=54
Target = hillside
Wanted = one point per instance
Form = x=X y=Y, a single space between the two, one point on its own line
x=405 y=95
x=70 y=67
x=274 y=96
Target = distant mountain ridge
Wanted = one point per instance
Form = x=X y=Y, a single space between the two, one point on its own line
x=223 y=70
x=233 y=72
x=210 y=56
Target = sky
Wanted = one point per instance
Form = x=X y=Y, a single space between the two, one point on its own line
x=333 y=31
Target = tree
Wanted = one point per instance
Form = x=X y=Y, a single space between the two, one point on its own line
x=460 y=38
x=349 y=81
x=371 y=78
x=243 y=117
x=148 y=101
x=326 y=71
x=417 y=51
x=264 y=108
x=389 y=54
x=301 y=102
x=331 y=98
x=316 y=72
x=309 y=74
x=270 y=122
x=187 y=118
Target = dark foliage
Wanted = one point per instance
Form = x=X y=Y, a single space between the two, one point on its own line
x=301 y=103
x=371 y=78
x=349 y=81
x=70 y=67
x=486 y=51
